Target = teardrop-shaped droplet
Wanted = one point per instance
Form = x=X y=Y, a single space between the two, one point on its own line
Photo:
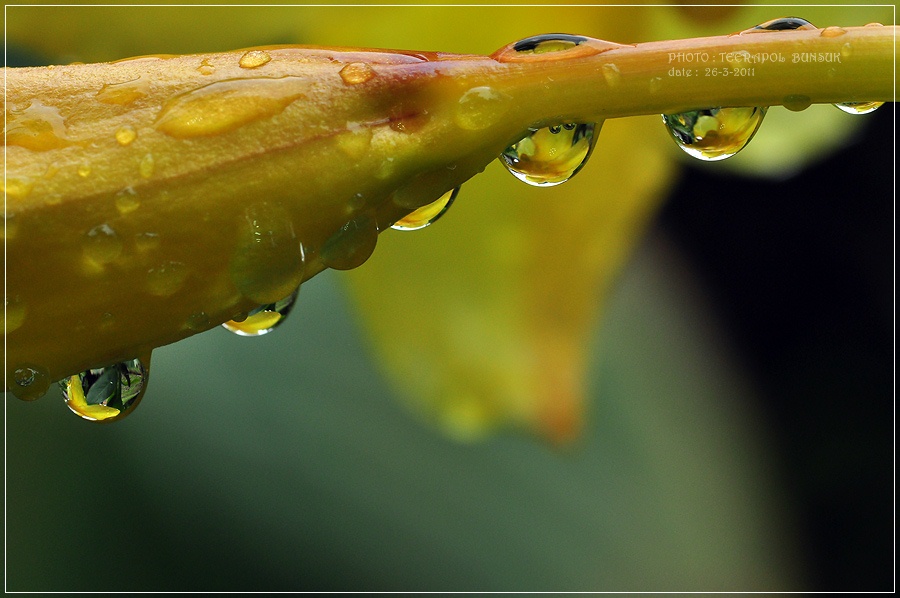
x=782 y=24
x=351 y=245
x=263 y=319
x=858 y=107
x=106 y=394
x=551 y=155
x=427 y=214
x=714 y=133
x=30 y=381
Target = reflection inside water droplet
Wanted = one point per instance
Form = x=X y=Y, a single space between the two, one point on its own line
x=859 y=107
x=551 y=155
x=548 y=42
x=106 y=394
x=263 y=319
x=783 y=24
x=427 y=214
x=714 y=133
x=254 y=59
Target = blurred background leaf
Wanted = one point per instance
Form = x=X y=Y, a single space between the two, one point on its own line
x=709 y=461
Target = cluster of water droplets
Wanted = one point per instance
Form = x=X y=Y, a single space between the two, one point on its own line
x=717 y=133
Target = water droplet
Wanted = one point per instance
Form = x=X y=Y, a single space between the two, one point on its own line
x=127 y=201
x=166 y=279
x=356 y=73
x=263 y=319
x=13 y=313
x=84 y=170
x=30 y=381
x=874 y=25
x=269 y=260
x=226 y=105
x=146 y=166
x=427 y=214
x=846 y=50
x=782 y=24
x=146 y=241
x=102 y=245
x=125 y=92
x=714 y=133
x=38 y=127
x=254 y=58
x=106 y=394
x=351 y=245
x=549 y=42
x=551 y=155
x=859 y=107
x=205 y=67
x=480 y=107
x=655 y=85
x=125 y=135
x=611 y=74
x=796 y=102
x=833 y=32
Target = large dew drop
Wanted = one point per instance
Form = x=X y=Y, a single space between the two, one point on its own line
x=106 y=394
x=263 y=319
x=551 y=155
x=427 y=214
x=714 y=133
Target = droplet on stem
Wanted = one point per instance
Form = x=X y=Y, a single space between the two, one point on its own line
x=351 y=245
x=551 y=155
x=263 y=319
x=106 y=394
x=714 y=134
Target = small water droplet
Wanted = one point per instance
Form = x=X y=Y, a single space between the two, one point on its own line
x=205 y=67
x=783 y=24
x=125 y=92
x=263 y=319
x=84 y=170
x=127 y=201
x=427 y=214
x=101 y=245
x=106 y=394
x=145 y=242
x=551 y=155
x=167 y=278
x=30 y=381
x=714 y=133
x=859 y=107
x=38 y=127
x=796 y=102
x=548 y=42
x=655 y=85
x=223 y=106
x=356 y=73
x=351 y=245
x=846 y=50
x=269 y=261
x=874 y=25
x=480 y=107
x=254 y=59
x=611 y=74
x=126 y=135
x=833 y=32
x=146 y=166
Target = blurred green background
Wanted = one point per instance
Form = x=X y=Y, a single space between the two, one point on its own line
x=739 y=425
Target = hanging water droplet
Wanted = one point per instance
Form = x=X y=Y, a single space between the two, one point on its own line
x=30 y=381
x=427 y=214
x=254 y=59
x=783 y=24
x=859 y=107
x=269 y=260
x=356 y=73
x=351 y=245
x=796 y=102
x=263 y=319
x=106 y=394
x=714 y=133
x=551 y=155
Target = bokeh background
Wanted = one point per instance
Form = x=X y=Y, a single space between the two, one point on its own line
x=739 y=413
